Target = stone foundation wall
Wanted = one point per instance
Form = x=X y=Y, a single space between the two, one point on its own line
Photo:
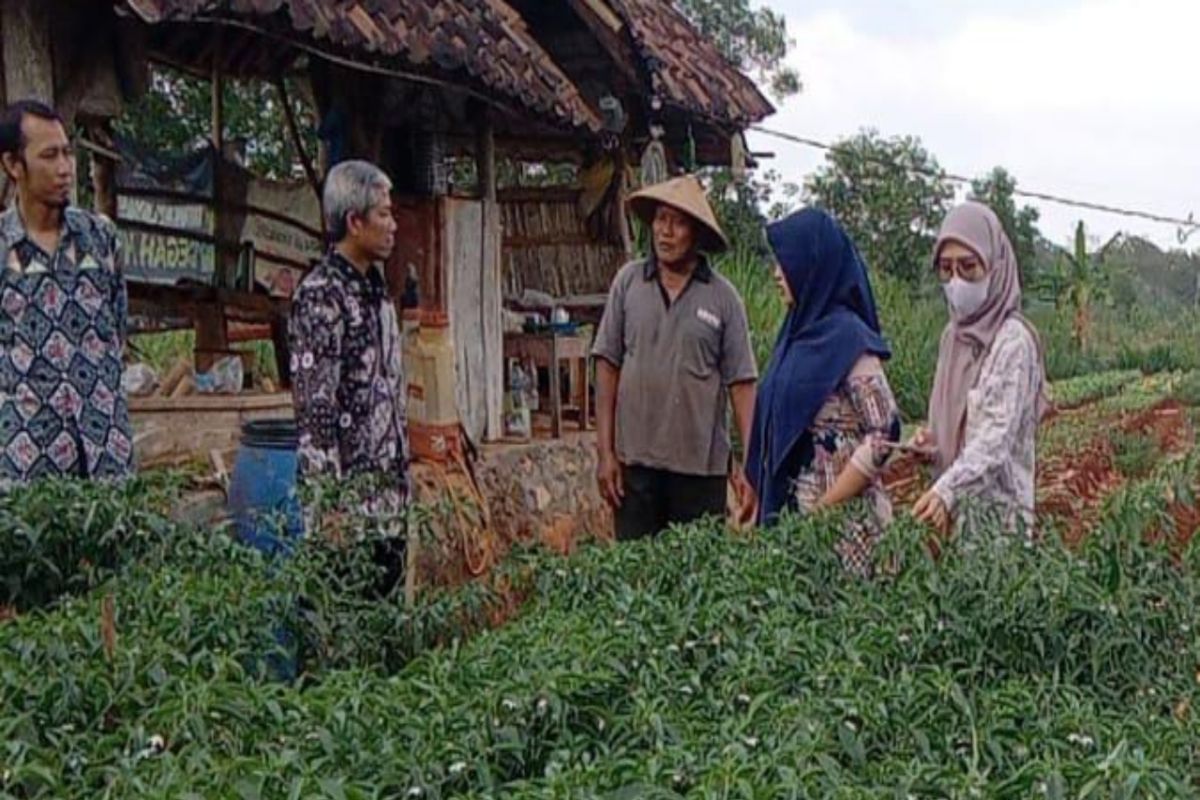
x=544 y=492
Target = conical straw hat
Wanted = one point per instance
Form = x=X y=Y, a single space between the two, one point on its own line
x=687 y=195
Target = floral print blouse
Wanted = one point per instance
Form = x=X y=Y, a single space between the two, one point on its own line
x=347 y=377
x=63 y=319
x=857 y=425
x=995 y=470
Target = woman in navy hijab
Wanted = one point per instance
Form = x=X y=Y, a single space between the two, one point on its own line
x=825 y=421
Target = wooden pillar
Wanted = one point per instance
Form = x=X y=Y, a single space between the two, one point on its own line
x=28 y=60
x=279 y=340
x=104 y=185
x=28 y=63
x=217 y=137
x=211 y=330
x=619 y=210
x=491 y=283
x=104 y=170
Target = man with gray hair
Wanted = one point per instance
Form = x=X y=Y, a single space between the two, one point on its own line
x=347 y=379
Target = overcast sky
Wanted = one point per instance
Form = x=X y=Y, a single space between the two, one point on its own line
x=1094 y=99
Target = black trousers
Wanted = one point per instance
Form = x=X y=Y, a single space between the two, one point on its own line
x=655 y=499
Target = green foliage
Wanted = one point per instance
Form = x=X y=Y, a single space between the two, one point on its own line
x=1142 y=274
x=996 y=191
x=912 y=322
x=1085 y=389
x=744 y=207
x=696 y=663
x=162 y=350
x=1134 y=454
x=1159 y=357
x=753 y=39
x=175 y=117
x=890 y=197
x=1187 y=389
x=750 y=273
x=67 y=536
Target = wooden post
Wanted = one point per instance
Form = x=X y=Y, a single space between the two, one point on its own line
x=209 y=321
x=620 y=207
x=28 y=61
x=28 y=64
x=218 y=96
x=556 y=415
x=217 y=136
x=283 y=361
x=491 y=285
x=104 y=186
x=104 y=172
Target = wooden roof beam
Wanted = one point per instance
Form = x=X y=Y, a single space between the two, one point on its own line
x=610 y=31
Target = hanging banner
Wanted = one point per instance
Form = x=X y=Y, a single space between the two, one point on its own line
x=287 y=240
x=167 y=222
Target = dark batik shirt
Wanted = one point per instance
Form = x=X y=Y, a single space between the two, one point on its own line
x=63 y=319
x=347 y=378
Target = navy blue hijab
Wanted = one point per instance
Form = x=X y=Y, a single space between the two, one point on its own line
x=831 y=324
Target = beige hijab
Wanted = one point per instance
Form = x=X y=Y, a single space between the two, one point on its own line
x=966 y=343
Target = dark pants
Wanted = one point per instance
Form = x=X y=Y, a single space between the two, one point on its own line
x=655 y=499
x=391 y=557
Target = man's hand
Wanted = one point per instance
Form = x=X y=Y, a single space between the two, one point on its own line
x=335 y=526
x=747 y=499
x=932 y=511
x=609 y=479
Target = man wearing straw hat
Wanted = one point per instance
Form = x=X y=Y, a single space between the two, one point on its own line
x=672 y=350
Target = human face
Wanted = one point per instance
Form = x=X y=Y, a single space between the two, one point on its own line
x=674 y=237
x=373 y=233
x=958 y=259
x=785 y=290
x=44 y=170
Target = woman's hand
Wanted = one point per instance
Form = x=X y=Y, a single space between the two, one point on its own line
x=922 y=444
x=931 y=510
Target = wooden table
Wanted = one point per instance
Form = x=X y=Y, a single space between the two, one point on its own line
x=548 y=350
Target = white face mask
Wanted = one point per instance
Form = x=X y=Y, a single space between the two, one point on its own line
x=965 y=298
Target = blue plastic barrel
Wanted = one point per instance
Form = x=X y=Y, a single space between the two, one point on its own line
x=267 y=516
x=262 y=494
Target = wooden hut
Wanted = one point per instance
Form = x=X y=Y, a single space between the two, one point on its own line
x=618 y=88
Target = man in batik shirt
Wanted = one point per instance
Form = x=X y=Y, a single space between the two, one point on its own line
x=347 y=380
x=63 y=313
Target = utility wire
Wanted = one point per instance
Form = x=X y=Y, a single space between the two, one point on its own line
x=1186 y=226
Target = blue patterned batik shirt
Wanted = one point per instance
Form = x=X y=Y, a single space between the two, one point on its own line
x=62 y=332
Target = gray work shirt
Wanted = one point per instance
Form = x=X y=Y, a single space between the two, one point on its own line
x=677 y=362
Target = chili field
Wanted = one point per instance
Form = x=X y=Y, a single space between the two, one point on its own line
x=145 y=658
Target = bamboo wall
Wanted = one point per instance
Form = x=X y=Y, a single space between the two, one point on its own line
x=547 y=246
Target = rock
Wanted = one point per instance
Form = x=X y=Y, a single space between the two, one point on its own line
x=539 y=498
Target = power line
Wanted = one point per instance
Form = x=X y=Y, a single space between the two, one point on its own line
x=1186 y=226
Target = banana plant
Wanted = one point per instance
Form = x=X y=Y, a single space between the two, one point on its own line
x=1082 y=281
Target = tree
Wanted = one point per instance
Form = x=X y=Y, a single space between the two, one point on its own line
x=996 y=191
x=889 y=195
x=745 y=207
x=1083 y=280
x=175 y=116
x=754 y=40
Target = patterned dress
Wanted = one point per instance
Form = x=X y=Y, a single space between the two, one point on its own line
x=994 y=474
x=348 y=388
x=63 y=319
x=857 y=425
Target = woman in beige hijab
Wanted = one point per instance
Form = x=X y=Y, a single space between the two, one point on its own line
x=989 y=390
